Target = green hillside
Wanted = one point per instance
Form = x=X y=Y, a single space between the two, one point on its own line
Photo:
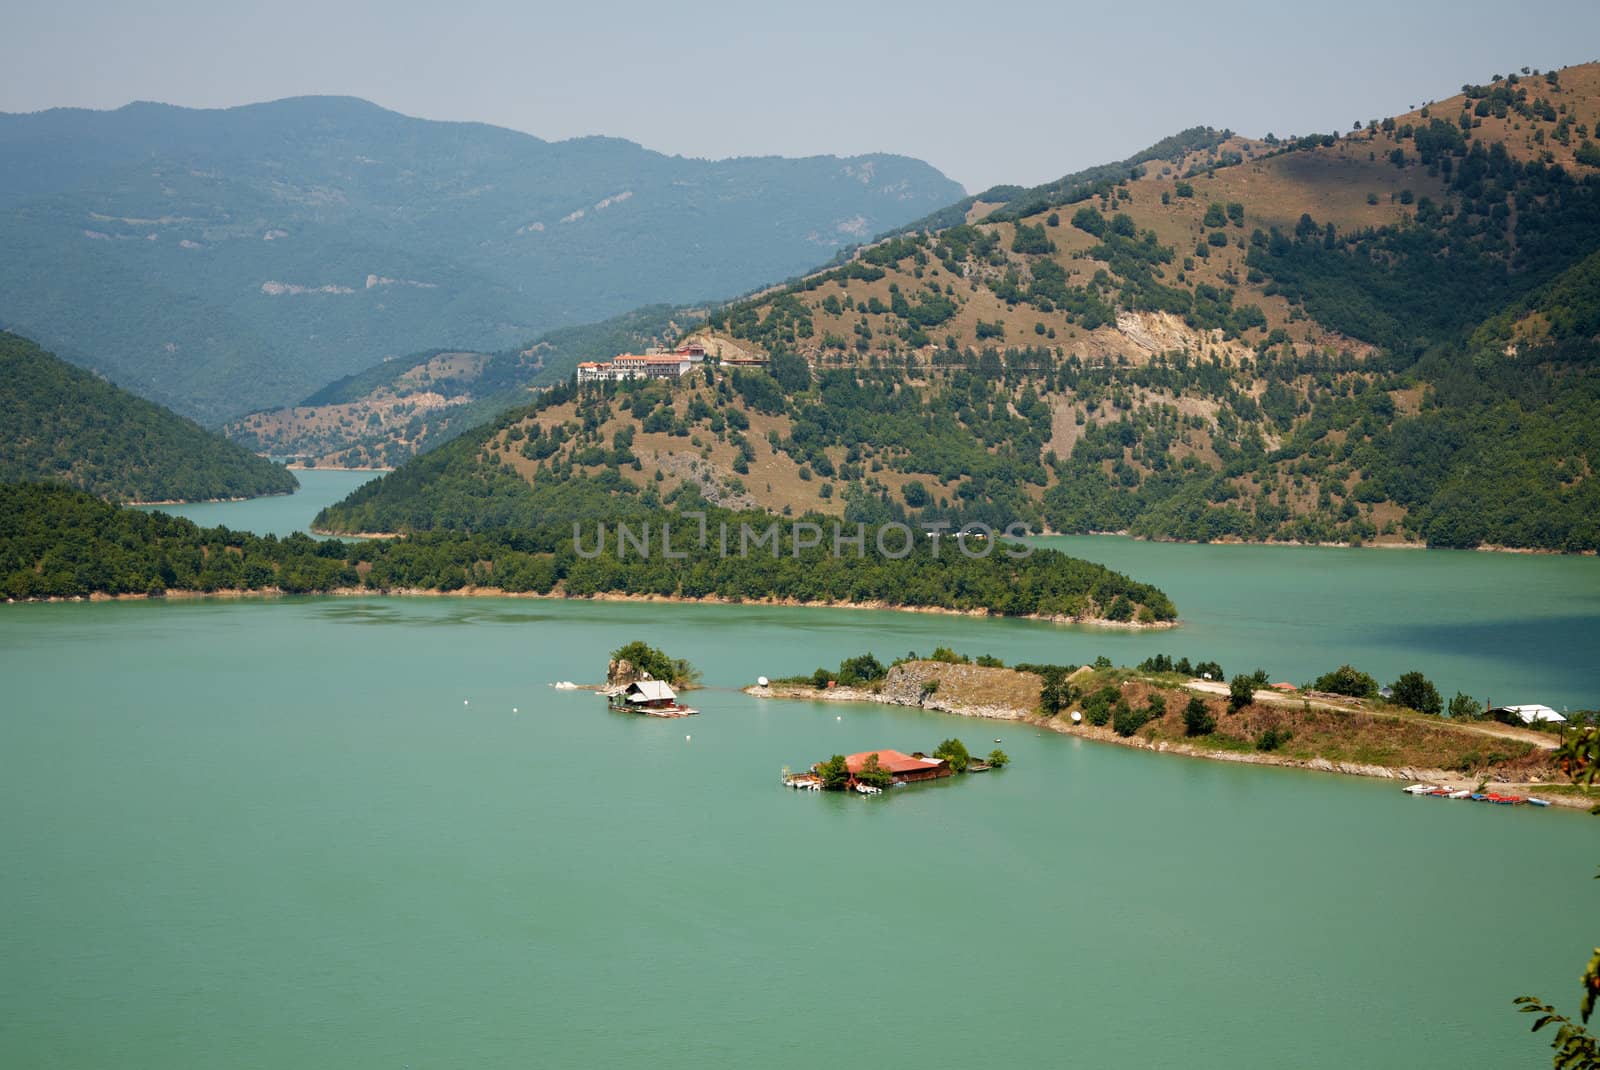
x=221 y=261
x=1384 y=336
x=336 y=425
x=63 y=423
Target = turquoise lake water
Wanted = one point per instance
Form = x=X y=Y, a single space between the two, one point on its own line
x=308 y=832
x=279 y=514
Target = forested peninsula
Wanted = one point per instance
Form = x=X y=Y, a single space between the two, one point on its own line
x=57 y=542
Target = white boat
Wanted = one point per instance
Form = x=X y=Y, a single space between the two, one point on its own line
x=564 y=685
x=1538 y=802
x=1464 y=793
x=868 y=789
x=1419 y=789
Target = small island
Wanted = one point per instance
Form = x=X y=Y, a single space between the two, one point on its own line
x=641 y=679
x=871 y=772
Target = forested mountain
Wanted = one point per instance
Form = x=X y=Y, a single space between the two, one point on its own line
x=1387 y=335
x=63 y=423
x=222 y=261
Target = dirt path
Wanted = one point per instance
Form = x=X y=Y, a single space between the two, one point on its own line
x=1541 y=740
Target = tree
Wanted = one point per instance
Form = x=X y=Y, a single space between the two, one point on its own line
x=1241 y=692
x=1347 y=680
x=835 y=773
x=1197 y=718
x=645 y=658
x=998 y=759
x=863 y=669
x=1416 y=692
x=955 y=752
x=1464 y=708
x=874 y=775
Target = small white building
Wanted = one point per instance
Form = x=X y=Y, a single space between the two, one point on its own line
x=1527 y=714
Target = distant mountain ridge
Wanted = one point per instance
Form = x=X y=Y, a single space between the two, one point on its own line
x=221 y=261
x=336 y=426
x=64 y=424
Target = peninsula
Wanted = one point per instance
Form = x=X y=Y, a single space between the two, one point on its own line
x=1249 y=720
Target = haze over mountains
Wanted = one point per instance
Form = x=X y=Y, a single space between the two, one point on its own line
x=221 y=261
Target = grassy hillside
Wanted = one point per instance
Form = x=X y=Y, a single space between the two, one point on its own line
x=222 y=261
x=63 y=423
x=382 y=415
x=1382 y=336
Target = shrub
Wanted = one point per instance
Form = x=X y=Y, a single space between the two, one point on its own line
x=999 y=759
x=955 y=752
x=1464 y=708
x=1125 y=720
x=1197 y=718
x=861 y=670
x=1241 y=692
x=1273 y=738
x=1346 y=680
x=1415 y=691
x=1097 y=707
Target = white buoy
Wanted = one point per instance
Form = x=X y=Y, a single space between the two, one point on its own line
x=838 y=718
x=463 y=702
x=687 y=738
x=513 y=709
x=761 y=681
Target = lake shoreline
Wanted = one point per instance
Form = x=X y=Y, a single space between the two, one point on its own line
x=208 y=501
x=239 y=594
x=1103 y=734
x=1485 y=548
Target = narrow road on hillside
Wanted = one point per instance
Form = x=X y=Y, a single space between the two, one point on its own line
x=1541 y=740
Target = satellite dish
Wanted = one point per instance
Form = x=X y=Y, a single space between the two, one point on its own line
x=761 y=680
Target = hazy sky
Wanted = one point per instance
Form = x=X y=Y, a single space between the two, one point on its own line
x=987 y=92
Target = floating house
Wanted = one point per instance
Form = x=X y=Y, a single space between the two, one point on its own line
x=1526 y=714
x=905 y=768
x=651 y=697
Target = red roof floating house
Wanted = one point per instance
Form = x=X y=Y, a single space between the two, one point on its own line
x=903 y=767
